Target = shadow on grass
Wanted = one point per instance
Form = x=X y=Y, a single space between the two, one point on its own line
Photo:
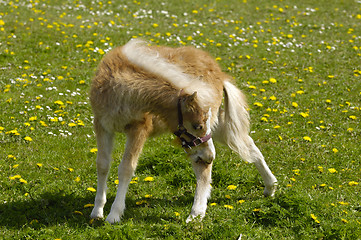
x=47 y=209
x=51 y=209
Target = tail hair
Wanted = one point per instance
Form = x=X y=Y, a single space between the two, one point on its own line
x=233 y=122
x=139 y=54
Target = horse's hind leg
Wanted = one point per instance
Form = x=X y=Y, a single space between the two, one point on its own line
x=203 y=189
x=261 y=165
x=136 y=136
x=105 y=144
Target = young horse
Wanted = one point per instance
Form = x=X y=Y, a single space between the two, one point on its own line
x=143 y=91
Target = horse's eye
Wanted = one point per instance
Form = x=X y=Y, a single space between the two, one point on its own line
x=197 y=126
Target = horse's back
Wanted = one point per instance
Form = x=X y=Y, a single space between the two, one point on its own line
x=195 y=62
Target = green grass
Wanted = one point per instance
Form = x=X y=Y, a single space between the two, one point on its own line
x=297 y=62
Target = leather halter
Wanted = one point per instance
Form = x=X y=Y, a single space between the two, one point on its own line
x=194 y=141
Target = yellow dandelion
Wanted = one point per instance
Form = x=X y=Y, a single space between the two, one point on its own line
x=307 y=138
x=101 y=51
x=88 y=205
x=313 y=216
x=141 y=202
x=58 y=102
x=94 y=150
x=91 y=189
x=78 y=212
x=27 y=138
x=231 y=187
x=258 y=104
x=264 y=119
x=228 y=206
x=344 y=220
x=303 y=114
x=15 y=177
x=294 y=104
x=332 y=170
x=353 y=183
x=23 y=181
x=43 y=124
x=148 y=179
x=273 y=98
x=13 y=132
x=272 y=80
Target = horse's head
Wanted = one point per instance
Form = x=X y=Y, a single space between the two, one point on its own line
x=194 y=129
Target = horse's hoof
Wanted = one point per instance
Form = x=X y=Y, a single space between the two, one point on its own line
x=269 y=191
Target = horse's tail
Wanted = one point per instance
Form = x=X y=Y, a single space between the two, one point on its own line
x=233 y=122
x=141 y=55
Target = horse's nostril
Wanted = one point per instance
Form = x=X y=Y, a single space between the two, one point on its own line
x=204 y=161
x=199 y=160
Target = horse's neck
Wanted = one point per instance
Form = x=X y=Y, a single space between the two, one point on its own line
x=161 y=101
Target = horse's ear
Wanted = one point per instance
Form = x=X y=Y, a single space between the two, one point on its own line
x=193 y=97
x=190 y=101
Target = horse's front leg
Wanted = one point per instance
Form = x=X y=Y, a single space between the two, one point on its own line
x=203 y=173
x=136 y=137
x=105 y=144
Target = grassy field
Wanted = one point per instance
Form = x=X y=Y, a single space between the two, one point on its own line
x=298 y=62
